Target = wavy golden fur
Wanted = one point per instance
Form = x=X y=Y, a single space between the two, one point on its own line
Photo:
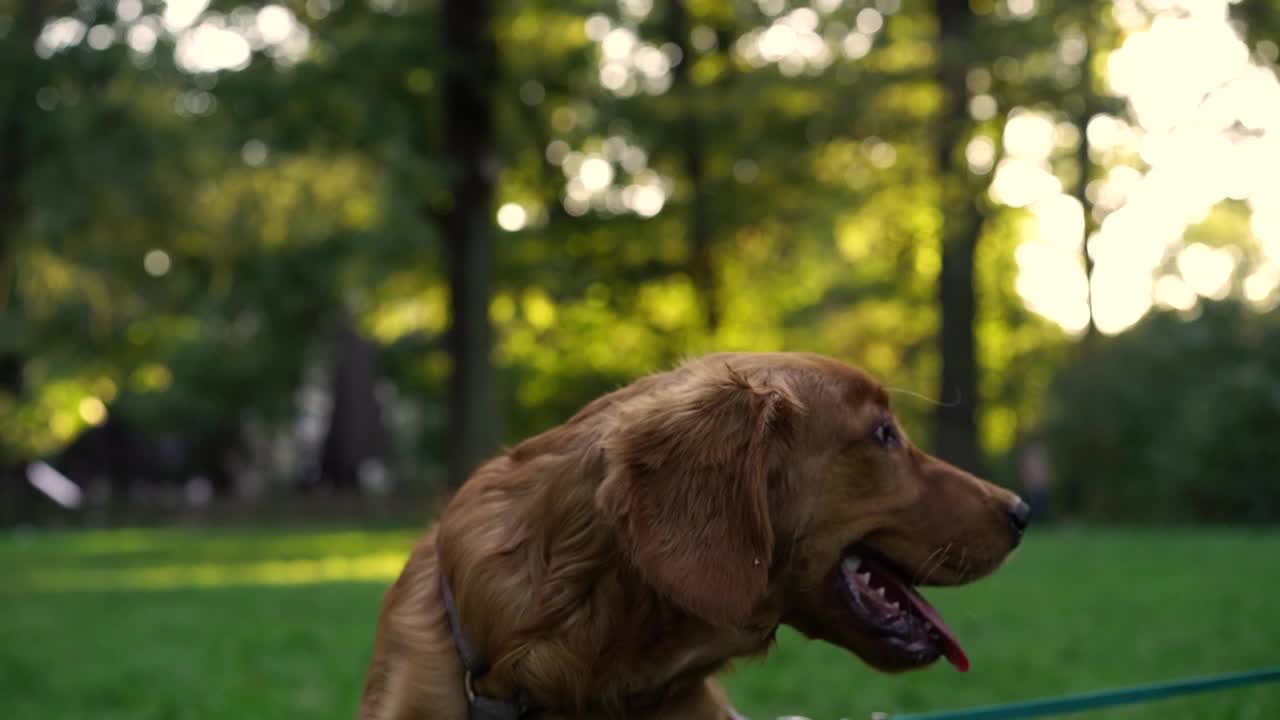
x=666 y=529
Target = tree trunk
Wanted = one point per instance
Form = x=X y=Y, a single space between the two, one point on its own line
x=17 y=91
x=701 y=262
x=956 y=426
x=14 y=494
x=1088 y=104
x=356 y=431
x=469 y=138
x=17 y=85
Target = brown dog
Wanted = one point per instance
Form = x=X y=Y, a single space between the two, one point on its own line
x=610 y=566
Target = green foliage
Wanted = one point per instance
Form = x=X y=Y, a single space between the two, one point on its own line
x=183 y=242
x=240 y=624
x=1174 y=420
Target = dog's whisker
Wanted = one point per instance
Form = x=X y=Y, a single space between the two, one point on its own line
x=926 y=398
x=932 y=563
x=942 y=559
x=937 y=561
x=919 y=575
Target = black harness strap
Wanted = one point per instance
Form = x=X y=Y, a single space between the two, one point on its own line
x=479 y=707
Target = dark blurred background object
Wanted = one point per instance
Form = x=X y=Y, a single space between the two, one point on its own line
x=311 y=259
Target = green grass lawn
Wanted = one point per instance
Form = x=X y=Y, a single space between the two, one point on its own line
x=236 y=624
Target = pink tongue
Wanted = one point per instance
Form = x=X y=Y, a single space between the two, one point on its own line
x=951 y=646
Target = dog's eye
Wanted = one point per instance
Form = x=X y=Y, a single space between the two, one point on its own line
x=886 y=435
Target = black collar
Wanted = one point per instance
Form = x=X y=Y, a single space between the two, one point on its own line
x=480 y=707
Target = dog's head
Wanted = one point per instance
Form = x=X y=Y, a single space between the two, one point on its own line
x=756 y=488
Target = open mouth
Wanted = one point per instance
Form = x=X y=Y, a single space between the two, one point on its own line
x=880 y=596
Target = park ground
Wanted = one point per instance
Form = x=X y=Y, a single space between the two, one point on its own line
x=246 y=624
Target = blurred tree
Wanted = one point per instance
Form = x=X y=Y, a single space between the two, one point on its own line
x=469 y=140
x=1261 y=26
x=310 y=211
x=17 y=105
x=355 y=446
x=1087 y=106
x=698 y=224
x=17 y=94
x=1174 y=421
x=823 y=195
x=956 y=434
x=1090 y=35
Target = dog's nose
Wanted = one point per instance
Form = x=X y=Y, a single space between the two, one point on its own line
x=1019 y=516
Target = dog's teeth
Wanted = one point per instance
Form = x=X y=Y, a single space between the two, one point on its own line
x=865 y=578
x=880 y=592
x=895 y=606
x=851 y=564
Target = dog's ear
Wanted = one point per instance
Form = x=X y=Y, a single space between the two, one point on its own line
x=687 y=488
